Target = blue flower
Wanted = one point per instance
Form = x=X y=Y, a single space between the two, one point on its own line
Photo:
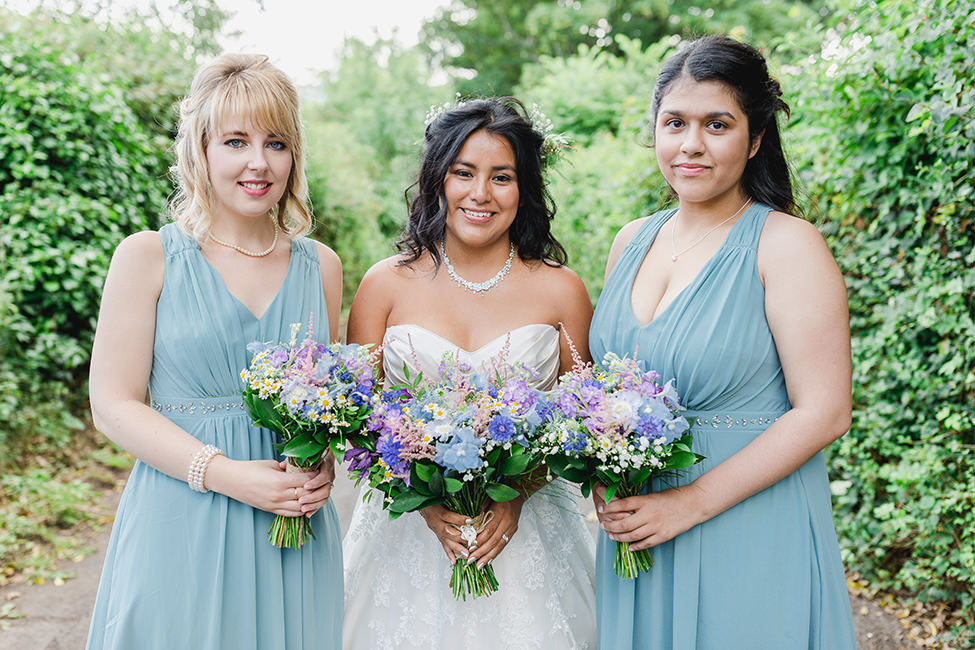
x=649 y=426
x=501 y=427
x=389 y=448
x=576 y=441
x=460 y=454
x=545 y=410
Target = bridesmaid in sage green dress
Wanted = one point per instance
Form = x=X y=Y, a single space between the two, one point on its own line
x=743 y=305
x=189 y=564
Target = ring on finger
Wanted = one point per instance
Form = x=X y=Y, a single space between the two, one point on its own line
x=504 y=536
x=296 y=494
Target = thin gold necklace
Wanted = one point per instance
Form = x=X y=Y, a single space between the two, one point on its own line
x=239 y=249
x=674 y=253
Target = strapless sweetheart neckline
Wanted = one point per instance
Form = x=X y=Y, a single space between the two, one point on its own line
x=454 y=345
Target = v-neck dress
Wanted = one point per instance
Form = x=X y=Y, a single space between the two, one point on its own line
x=191 y=570
x=765 y=574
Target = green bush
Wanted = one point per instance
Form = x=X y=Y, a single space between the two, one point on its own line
x=79 y=172
x=886 y=123
x=602 y=103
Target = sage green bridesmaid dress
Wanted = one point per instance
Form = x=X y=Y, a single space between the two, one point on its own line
x=189 y=570
x=766 y=574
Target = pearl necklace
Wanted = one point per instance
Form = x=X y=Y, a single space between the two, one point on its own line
x=674 y=253
x=237 y=248
x=477 y=287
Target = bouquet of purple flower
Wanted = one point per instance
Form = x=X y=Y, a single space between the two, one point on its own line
x=616 y=425
x=457 y=440
x=314 y=396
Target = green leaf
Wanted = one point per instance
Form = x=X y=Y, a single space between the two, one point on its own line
x=410 y=501
x=302 y=447
x=437 y=484
x=516 y=465
x=610 y=492
x=424 y=470
x=681 y=460
x=263 y=413
x=500 y=493
x=452 y=485
x=638 y=476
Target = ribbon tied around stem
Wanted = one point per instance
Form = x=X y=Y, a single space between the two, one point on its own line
x=468 y=532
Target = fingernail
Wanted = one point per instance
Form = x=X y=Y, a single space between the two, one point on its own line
x=470 y=561
x=468 y=521
x=600 y=508
x=480 y=566
x=465 y=553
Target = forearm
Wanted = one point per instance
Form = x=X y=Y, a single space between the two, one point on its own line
x=148 y=435
x=779 y=451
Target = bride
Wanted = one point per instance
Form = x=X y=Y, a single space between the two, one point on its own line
x=479 y=275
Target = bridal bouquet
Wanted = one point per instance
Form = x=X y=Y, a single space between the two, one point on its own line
x=457 y=439
x=314 y=396
x=618 y=426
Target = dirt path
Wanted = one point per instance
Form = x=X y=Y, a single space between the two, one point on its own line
x=56 y=617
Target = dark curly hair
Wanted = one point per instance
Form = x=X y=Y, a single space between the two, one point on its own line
x=531 y=230
x=743 y=69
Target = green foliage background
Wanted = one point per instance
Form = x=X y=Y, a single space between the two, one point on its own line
x=881 y=139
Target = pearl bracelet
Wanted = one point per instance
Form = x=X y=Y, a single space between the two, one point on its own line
x=198 y=468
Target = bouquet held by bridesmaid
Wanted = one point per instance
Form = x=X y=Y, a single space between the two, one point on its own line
x=617 y=425
x=315 y=396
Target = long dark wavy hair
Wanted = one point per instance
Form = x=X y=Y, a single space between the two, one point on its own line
x=531 y=230
x=743 y=69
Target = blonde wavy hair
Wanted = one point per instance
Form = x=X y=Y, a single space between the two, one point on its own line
x=232 y=85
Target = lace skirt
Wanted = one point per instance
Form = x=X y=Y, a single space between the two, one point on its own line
x=397 y=576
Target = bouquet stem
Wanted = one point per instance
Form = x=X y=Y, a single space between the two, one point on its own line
x=628 y=564
x=466 y=579
x=292 y=532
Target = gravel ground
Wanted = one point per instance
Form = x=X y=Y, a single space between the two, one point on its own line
x=55 y=617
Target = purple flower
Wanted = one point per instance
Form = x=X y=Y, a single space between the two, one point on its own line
x=590 y=392
x=501 y=428
x=569 y=404
x=359 y=460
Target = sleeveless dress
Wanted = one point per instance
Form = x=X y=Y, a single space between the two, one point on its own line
x=191 y=570
x=396 y=572
x=765 y=574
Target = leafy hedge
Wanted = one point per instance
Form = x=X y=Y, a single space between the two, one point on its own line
x=79 y=173
x=887 y=124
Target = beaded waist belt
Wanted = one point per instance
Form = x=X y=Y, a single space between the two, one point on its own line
x=734 y=420
x=198 y=406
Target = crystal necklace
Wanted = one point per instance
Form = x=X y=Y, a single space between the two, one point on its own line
x=674 y=253
x=237 y=248
x=480 y=288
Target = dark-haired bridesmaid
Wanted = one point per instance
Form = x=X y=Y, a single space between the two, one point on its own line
x=744 y=305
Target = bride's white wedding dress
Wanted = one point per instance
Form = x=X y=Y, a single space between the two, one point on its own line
x=396 y=572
